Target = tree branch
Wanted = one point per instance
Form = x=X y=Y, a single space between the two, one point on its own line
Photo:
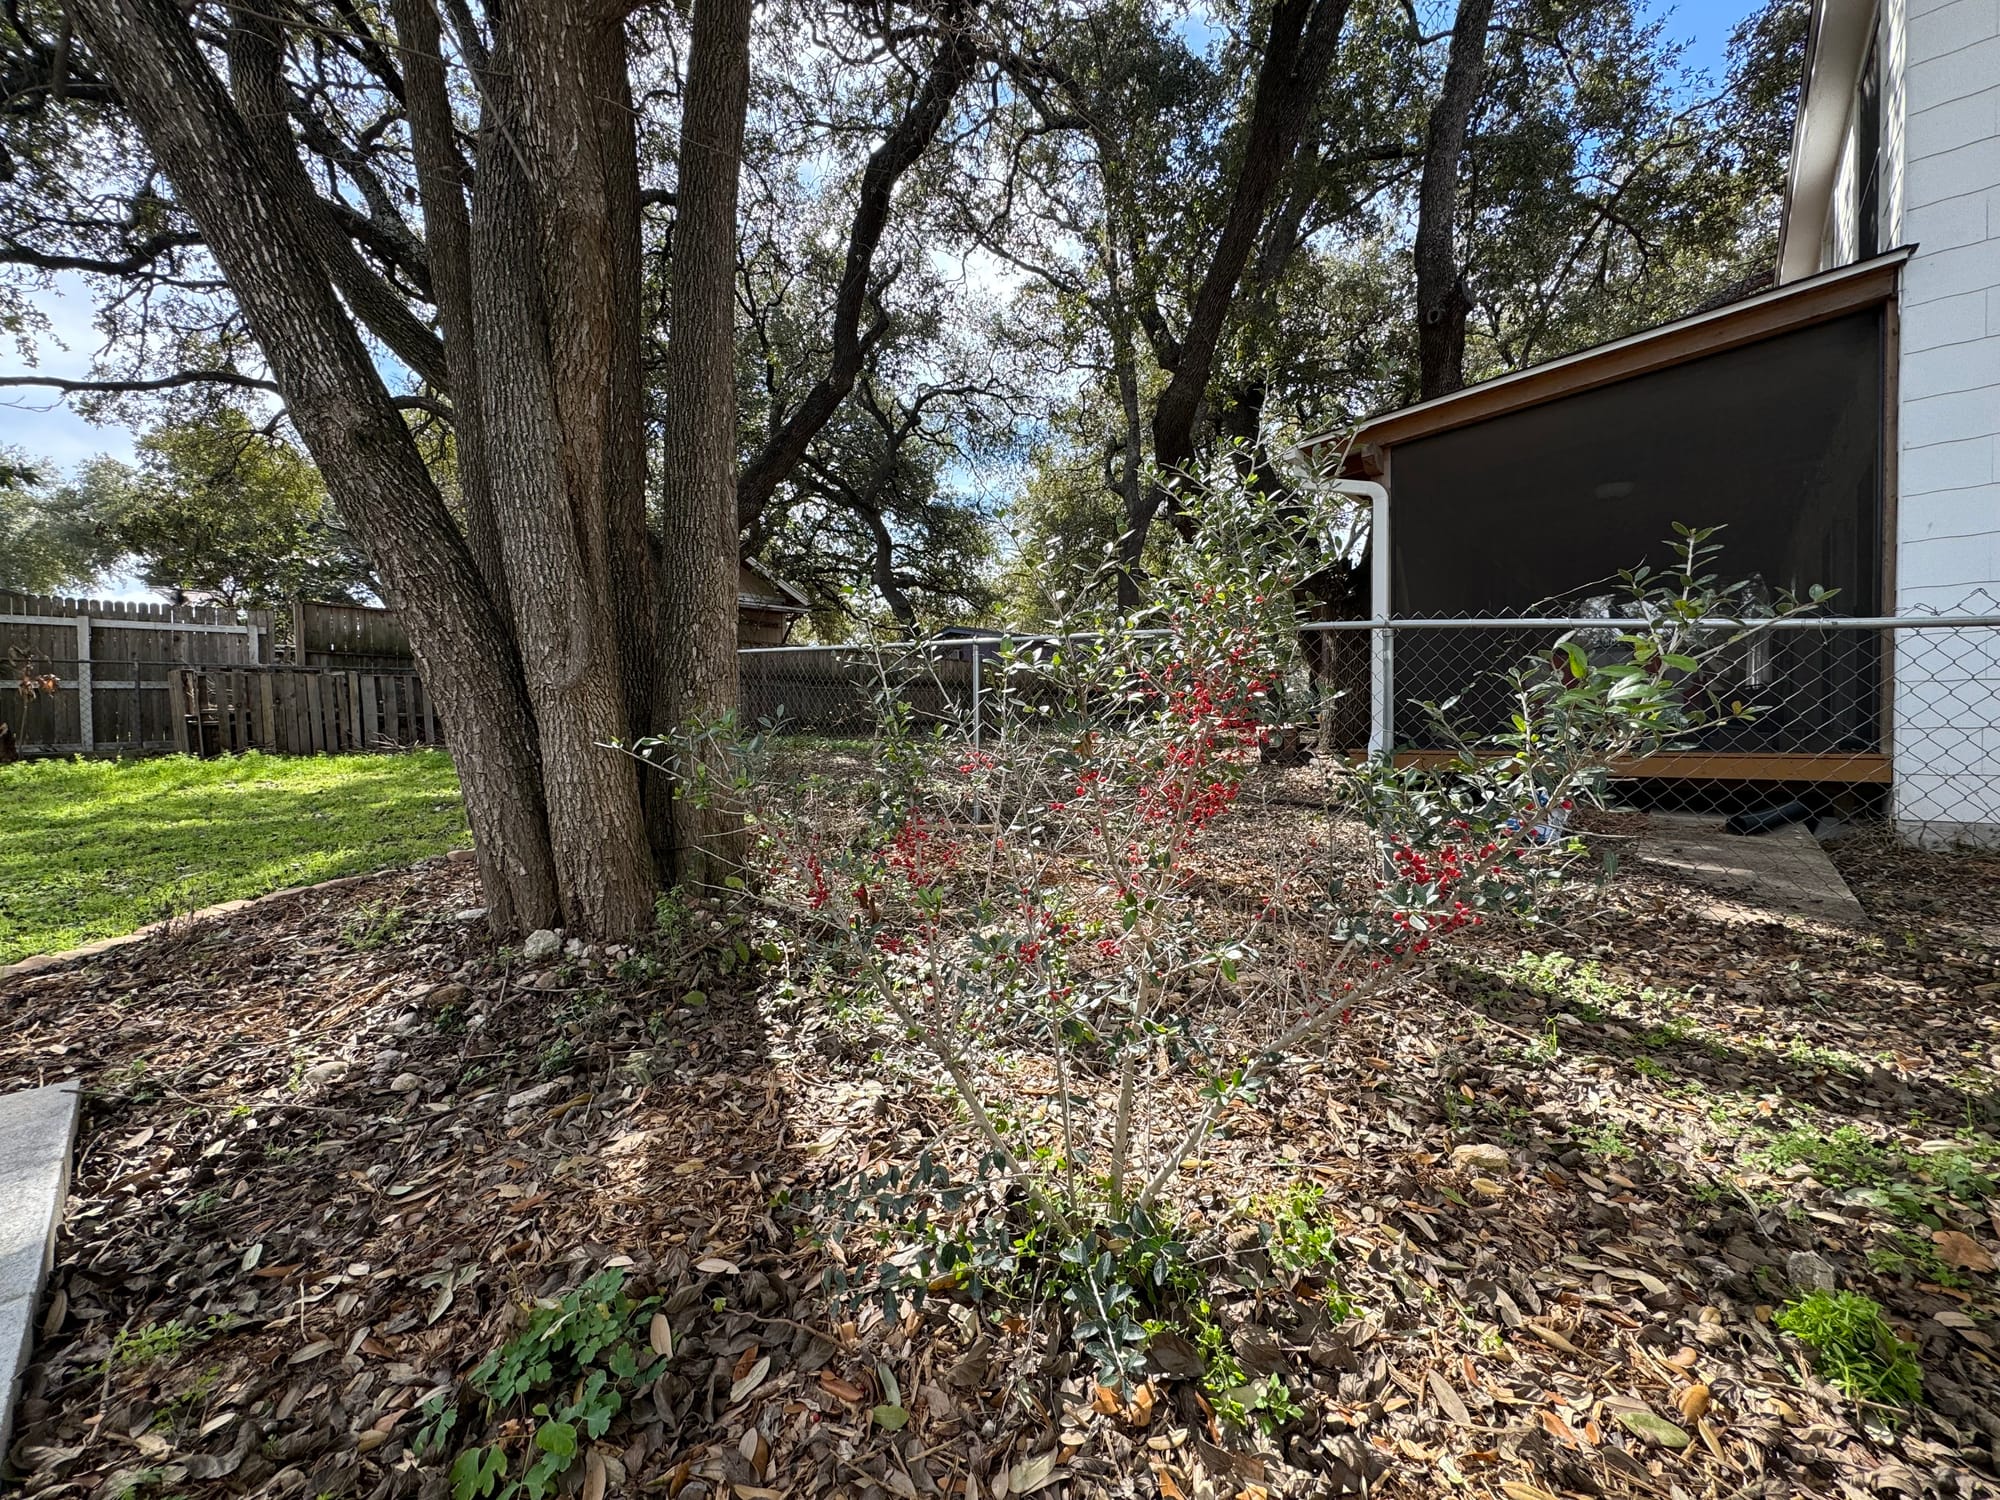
x=175 y=381
x=142 y=255
x=898 y=152
x=256 y=77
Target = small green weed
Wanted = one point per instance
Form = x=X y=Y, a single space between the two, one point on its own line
x=1266 y=1404
x=372 y=925
x=1303 y=1239
x=1909 y=1185
x=186 y=1408
x=1811 y=1055
x=1673 y=1032
x=1545 y=1048
x=583 y=1352
x=1855 y=1348
x=1607 y=1142
x=155 y=1342
x=1913 y=1255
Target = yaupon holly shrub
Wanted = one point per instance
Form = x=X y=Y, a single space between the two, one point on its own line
x=1033 y=892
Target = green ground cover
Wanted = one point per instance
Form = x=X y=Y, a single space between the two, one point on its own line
x=91 y=849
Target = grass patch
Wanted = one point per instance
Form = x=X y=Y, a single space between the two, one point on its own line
x=92 y=849
x=1856 y=1349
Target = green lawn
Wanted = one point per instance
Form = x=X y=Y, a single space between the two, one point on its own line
x=90 y=849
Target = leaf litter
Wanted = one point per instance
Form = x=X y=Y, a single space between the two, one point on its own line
x=338 y=1174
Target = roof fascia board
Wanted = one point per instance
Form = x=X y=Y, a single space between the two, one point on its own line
x=1827 y=295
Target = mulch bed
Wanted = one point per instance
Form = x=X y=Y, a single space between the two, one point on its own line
x=337 y=1142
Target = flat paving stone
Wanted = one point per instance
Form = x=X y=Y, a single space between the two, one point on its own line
x=1783 y=873
x=37 y=1132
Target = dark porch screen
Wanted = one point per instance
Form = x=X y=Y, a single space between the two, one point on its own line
x=1779 y=443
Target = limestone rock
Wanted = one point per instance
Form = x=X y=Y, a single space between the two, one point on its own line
x=1807 y=1268
x=1480 y=1156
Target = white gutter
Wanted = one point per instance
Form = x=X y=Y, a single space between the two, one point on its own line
x=1835 y=50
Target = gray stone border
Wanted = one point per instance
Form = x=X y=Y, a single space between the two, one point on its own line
x=37 y=1137
x=43 y=963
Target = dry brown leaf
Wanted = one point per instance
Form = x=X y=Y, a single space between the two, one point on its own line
x=1957 y=1248
x=1141 y=1410
x=833 y=1385
x=750 y=1380
x=1708 y=1437
x=1553 y=1339
x=1448 y=1400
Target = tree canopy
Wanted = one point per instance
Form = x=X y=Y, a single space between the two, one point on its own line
x=572 y=302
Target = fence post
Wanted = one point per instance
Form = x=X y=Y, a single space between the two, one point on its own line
x=86 y=695
x=177 y=706
x=975 y=696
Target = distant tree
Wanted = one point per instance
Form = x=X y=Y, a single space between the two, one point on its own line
x=1767 y=60
x=47 y=544
x=872 y=526
x=219 y=512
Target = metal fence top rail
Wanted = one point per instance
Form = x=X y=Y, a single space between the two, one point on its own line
x=1600 y=622
x=1495 y=622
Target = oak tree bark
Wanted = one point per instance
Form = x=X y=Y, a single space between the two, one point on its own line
x=697 y=622
x=343 y=411
x=1442 y=303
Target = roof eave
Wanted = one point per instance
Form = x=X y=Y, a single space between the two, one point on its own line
x=1815 y=299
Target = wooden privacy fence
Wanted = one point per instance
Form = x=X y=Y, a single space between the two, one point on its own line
x=300 y=711
x=110 y=659
x=352 y=637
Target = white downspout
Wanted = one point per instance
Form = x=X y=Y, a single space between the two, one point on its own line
x=1382 y=642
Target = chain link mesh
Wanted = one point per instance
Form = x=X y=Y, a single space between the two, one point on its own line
x=1840 y=724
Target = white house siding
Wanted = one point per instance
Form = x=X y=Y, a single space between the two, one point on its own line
x=1941 y=191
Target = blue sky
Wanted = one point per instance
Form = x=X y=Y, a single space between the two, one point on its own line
x=1705 y=26
x=35 y=420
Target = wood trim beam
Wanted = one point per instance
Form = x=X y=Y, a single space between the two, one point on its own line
x=1820 y=299
x=1848 y=767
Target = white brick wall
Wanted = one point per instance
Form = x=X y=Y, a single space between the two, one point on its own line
x=1941 y=61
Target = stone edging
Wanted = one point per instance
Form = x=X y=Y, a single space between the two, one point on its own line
x=42 y=963
x=37 y=1135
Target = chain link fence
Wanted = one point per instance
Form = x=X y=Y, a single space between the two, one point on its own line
x=1839 y=724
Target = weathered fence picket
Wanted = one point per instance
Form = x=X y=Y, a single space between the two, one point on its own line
x=109 y=660
x=299 y=711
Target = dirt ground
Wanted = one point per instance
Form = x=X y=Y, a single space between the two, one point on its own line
x=333 y=1144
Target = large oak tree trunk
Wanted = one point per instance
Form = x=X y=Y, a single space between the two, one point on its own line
x=697 y=633
x=1442 y=304
x=543 y=326
x=1298 y=55
x=342 y=410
